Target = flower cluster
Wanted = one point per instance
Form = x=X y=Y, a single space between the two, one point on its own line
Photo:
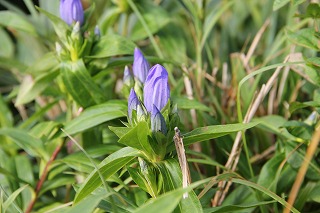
x=156 y=93
x=75 y=44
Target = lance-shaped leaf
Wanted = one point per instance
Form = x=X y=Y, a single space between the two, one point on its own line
x=210 y=132
x=107 y=168
x=80 y=85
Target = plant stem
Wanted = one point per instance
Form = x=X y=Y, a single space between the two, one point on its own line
x=43 y=178
x=312 y=148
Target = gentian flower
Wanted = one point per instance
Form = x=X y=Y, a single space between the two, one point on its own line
x=140 y=66
x=156 y=91
x=157 y=121
x=71 y=11
x=127 y=78
x=134 y=104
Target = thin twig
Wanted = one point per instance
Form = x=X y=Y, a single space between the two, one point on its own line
x=255 y=43
x=263 y=155
x=43 y=177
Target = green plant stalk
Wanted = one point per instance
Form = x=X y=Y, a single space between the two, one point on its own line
x=145 y=26
x=43 y=177
x=151 y=37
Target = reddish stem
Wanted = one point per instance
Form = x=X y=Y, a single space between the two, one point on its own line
x=43 y=178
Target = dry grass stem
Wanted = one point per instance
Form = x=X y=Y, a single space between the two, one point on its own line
x=255 y=43
x=263 y=155
x=304 y=167
x=236 y=148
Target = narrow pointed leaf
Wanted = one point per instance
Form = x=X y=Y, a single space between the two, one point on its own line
x=107 y=167
x=96 y=115
x=210 y=132
x=80 y=85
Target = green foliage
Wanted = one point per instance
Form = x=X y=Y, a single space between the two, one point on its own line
x=67 y=145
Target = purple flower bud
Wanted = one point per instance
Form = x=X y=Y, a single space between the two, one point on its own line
x=140 y=66
x=127 y=78
x=71 y=11
x=156 y=90
x=134 y=104
x=97 y=31
x=157 y=121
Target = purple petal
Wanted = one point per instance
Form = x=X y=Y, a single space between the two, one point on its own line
x=140 y=66
x=71 y=11
x=156 y=90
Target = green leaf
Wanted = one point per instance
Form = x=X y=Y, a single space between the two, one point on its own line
x=297 y=105
x=9 y=63
x=155 y=18
x=139 y=179
x=80 y=85
x=112 y=45
x=168 y=201
x=60 y=27
x=304 y=37
x=313 y=10
x=55 y=183
x=233 y=208
x=6 y=44
x=265 y=191
x=12 y=198
x=120 y=131
x=172 y=179
x=210 y=132
x=138 y=138
x=31 y=88
x=88 y=204
x=212 y=18
x=79 y=161
x=38 y=115
x=185 y=103
x=31 y=145
x=107 y=167
x=11 y=19
x=9 y=175
x=270 y=169
x=277 y=4
x=6 y=118
x=315 y=193
x=44 y=64
x=96 y=115
x=274 y=123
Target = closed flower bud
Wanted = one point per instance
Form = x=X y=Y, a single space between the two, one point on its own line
x=158 y=123
x=127 y=78
x=71 y=11
x=97 y=31
x=140 y=66
x=134 y=104
x=156 y=89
